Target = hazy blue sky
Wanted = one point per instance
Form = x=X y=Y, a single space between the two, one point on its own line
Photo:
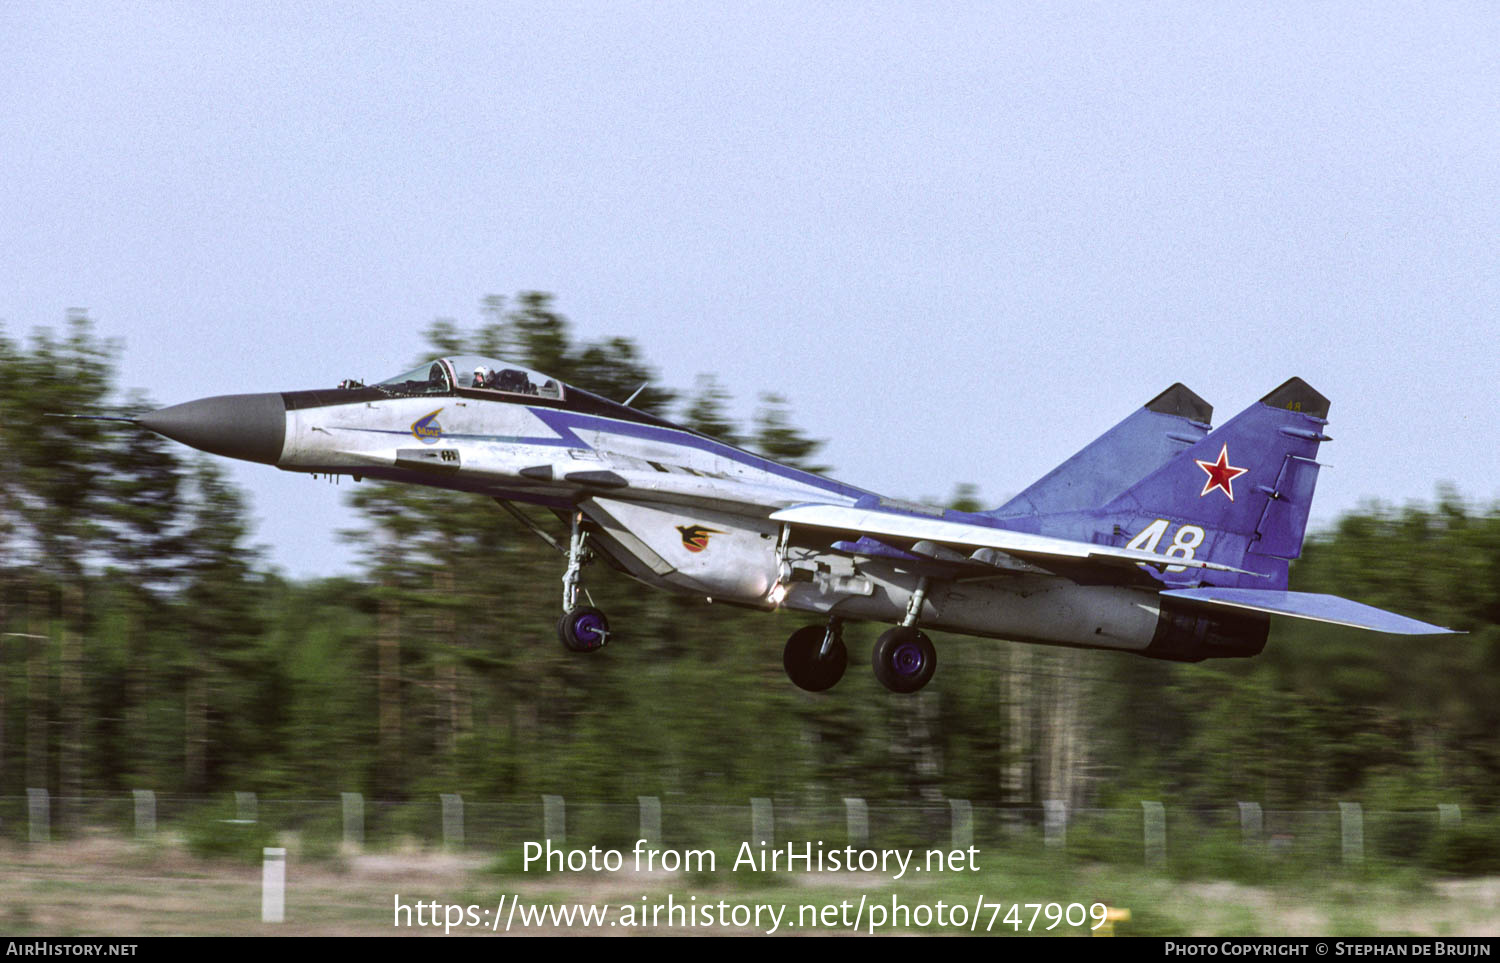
x=962 y=238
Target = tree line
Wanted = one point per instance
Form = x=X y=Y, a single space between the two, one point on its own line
x=147 y=645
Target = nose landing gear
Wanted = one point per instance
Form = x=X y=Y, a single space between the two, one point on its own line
x=582 y=628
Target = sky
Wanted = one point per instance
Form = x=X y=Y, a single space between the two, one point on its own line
x=961 y=239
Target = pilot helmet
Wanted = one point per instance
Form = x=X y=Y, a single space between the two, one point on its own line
x=481 y=375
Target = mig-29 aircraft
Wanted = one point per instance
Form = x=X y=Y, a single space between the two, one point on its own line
x=1164 y=537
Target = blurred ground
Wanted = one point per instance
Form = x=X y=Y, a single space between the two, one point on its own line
x=110 y=887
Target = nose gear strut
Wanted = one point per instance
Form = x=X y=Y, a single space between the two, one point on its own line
x=582 y=628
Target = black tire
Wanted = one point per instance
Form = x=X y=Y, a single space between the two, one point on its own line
x=583 y=629
x=803 y=664
x=904 y=659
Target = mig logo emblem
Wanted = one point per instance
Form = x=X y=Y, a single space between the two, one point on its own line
x=695 y=537
x=426 y=429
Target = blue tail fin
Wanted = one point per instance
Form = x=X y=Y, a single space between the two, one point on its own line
x=1239 y=496
x=1144 y=440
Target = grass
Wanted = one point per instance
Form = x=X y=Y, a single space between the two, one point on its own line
x=105 y=886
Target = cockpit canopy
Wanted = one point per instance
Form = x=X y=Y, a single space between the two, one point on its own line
x=472 y=372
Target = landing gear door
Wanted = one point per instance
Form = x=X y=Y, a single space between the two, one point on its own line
x=718 y=554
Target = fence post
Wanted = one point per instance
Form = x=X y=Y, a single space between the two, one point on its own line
x=762 y=822
x=963 y=823
x=354 y=818
x=1251 y=824
x=1154 y=825
x=1352 y=819
x=1055 y=823
x=145 y=813
x=857 y=819
x=554 y=820
x=39 y=812
x=273 y=885
x=650 y=818
x=453 y=820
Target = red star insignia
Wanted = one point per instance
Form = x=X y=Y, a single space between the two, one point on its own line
x=1221 y=474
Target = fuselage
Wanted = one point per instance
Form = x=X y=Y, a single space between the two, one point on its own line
x=1164 y=537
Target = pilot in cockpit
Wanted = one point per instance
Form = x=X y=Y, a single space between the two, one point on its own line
x=511 y=380
x=481 y=377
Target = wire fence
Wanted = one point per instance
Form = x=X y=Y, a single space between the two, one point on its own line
x=1243 y=840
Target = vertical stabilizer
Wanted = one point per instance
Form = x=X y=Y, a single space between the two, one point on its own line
x=1145 y=439
x=1239 y=496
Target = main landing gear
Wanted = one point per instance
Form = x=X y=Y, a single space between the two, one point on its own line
x=815 y=657
x=904 y=658
x=582 y=628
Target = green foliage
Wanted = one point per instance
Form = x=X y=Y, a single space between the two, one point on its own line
x=777 y=439
x=708 y=411
x=437 y=668
x=211 y=832
x=1472 y=848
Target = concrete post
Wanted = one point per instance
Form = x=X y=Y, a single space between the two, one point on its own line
x=354 y=818
x=762 y=822
x=1154 y=820
x=554 y=820
x=273 y=885
x=1352 y=819
x=650 y=818
x=453 y=820
x=1055 y=823
x=963 y=823
x=1252 y=824
x=857 y=819
x=39 y=812
x=145 y=813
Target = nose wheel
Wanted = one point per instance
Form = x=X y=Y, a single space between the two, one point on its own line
x=583 y=629
x=815 y=656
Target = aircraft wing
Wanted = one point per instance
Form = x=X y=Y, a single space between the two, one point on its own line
x=1310 y=606
x=1021 y=545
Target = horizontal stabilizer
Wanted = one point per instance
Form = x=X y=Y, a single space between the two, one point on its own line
x=1308 y=605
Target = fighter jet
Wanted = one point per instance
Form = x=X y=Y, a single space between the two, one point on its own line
x=1164 y=537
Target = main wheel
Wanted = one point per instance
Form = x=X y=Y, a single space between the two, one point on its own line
x=904 y=659
x=583 y=629
x=807 y=667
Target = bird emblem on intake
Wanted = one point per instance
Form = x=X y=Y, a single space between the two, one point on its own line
x=695 y=537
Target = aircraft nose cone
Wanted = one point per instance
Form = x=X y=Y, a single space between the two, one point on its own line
x=252 y=427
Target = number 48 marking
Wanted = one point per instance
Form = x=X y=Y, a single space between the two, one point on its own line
x=1184 y=544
